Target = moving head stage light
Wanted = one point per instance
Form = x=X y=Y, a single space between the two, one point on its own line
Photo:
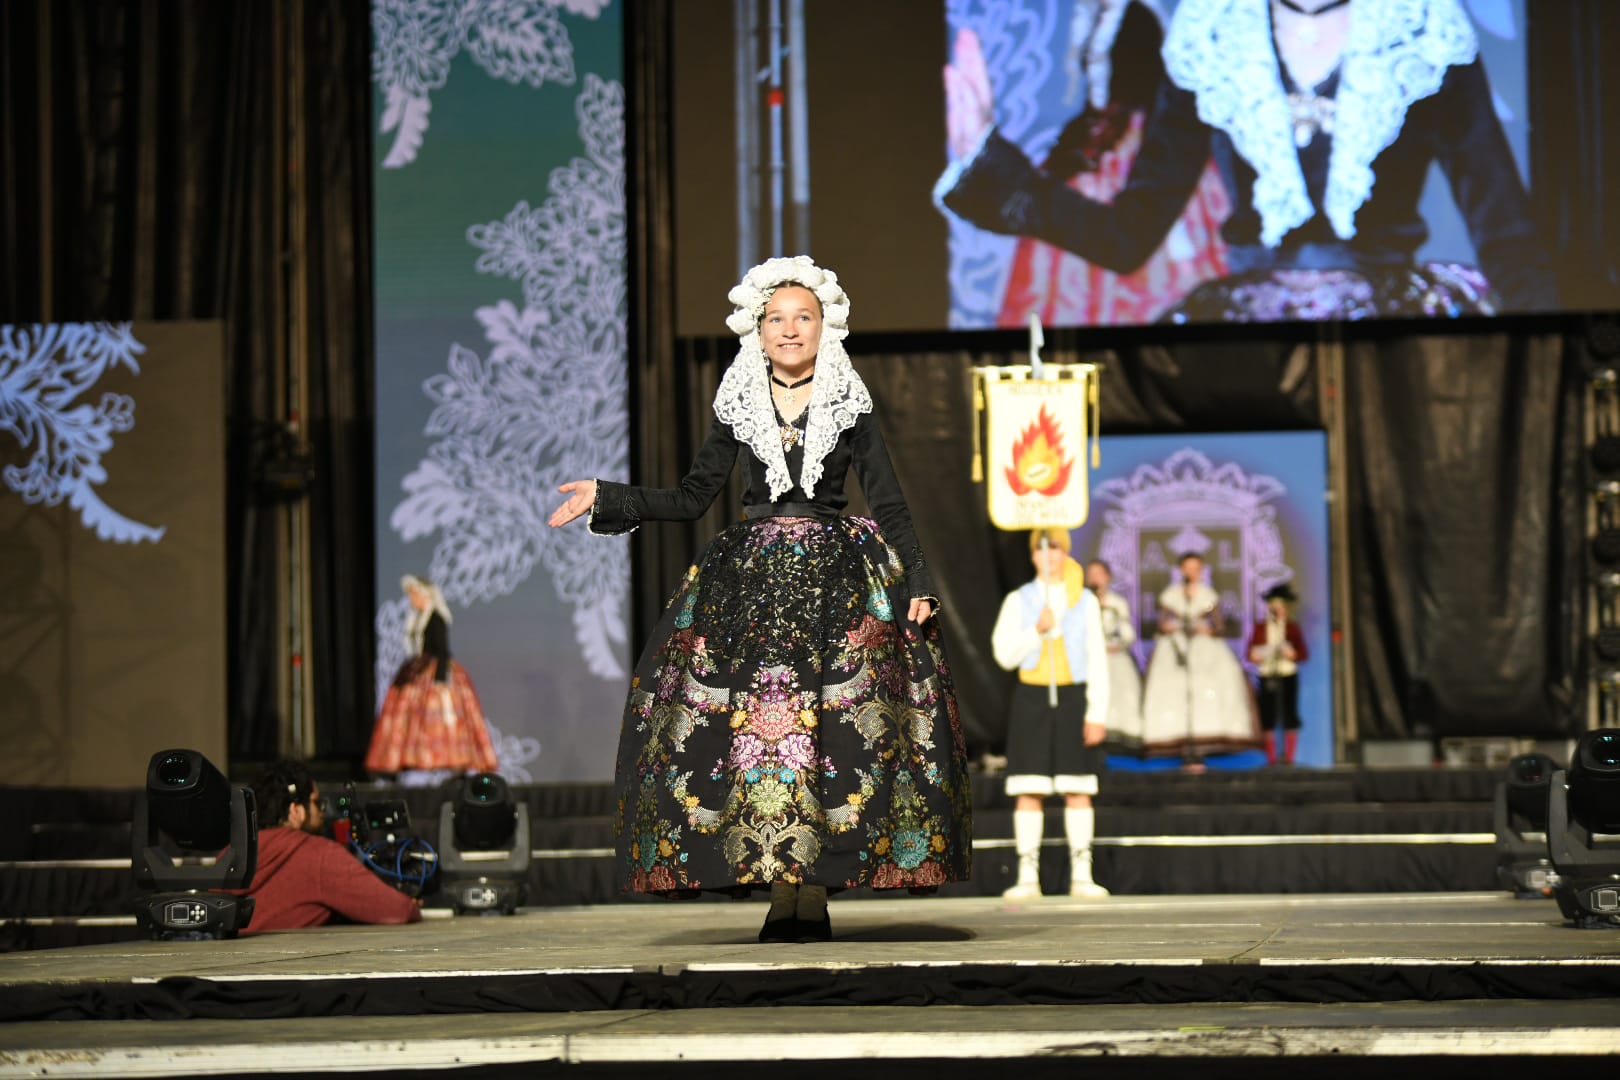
x=213 y=828
x=1583 y=831
x=1522 y=865
x=484 y=848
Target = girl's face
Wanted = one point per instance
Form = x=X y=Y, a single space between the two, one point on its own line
x=420 y=600
x=790 y=329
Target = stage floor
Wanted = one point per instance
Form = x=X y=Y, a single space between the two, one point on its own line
x=1430 y=974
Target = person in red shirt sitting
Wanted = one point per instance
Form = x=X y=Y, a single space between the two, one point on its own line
x=1277 y=648
x=304 y=879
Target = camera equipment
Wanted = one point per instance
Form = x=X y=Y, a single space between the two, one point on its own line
x=214 y=829
x=379 y=832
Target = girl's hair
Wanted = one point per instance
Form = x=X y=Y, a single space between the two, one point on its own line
x=793 y=285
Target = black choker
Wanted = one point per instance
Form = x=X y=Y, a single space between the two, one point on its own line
x=1308 y=13
x=791 y=386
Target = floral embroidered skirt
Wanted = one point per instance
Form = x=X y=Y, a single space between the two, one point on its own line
x=1434 y=289
x=788 y=723
x=426 y=724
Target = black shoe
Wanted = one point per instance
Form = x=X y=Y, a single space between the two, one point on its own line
x=780 y=931
x=810 y=932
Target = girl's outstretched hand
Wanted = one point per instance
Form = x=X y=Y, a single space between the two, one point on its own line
x=582 y=497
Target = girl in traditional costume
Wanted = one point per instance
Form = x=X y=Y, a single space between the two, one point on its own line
x=431 y=723
x=791 y=724
x=1197 y=697
x=1124 y=677
x=1276 y=649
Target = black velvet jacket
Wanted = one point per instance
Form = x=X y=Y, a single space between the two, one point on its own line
x=436 y=646
x=622 y=507
x=1002 y=191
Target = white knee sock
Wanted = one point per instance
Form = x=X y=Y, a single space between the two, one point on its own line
x=1080 y=823
x=1027 y=828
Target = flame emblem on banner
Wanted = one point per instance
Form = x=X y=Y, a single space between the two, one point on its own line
x=1038 y=463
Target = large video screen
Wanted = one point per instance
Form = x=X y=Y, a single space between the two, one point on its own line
x=970 y=163
x=500 y=320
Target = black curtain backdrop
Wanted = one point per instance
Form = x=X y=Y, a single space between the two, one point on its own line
x=1466 y=533
x=144 y=179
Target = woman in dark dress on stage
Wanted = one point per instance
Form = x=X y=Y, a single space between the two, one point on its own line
x=431 y=723
x=792 y=723
x=1323 y=118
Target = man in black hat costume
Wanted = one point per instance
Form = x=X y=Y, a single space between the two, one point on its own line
x=1277 y=648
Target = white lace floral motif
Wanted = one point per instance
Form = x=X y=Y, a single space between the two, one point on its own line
x=838 y=396
x=1397 y=53
x=48 y=372
x=547 y=404
x=415 y=41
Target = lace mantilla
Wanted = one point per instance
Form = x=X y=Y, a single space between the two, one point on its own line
x=1396 y=53
x=838 y=397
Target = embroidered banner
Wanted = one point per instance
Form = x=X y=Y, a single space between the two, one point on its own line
x=1037 y=430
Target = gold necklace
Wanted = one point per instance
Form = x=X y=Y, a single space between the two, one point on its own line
x=790 y=433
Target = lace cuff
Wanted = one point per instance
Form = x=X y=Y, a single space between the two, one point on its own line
x=615 y=510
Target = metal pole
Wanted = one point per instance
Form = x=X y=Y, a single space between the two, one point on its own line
x=744 y=79
x=1330 y=382
x=287 y=736
x=798 y=104
x=295 y=404
x=773 y=102
x=299 y=400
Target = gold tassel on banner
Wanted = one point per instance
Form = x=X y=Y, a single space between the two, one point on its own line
x=978 y=415
x=1095 y=379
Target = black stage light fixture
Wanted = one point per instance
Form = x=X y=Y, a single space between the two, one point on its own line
x=484 y=850
x=1583 y=831
x=1522 y=864
x=213 y=828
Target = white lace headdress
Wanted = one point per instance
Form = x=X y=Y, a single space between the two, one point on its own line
x=1396 y=53
x=416 y=625
x=837 y=397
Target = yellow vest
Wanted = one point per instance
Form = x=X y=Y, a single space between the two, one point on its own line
x=1053 y=667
